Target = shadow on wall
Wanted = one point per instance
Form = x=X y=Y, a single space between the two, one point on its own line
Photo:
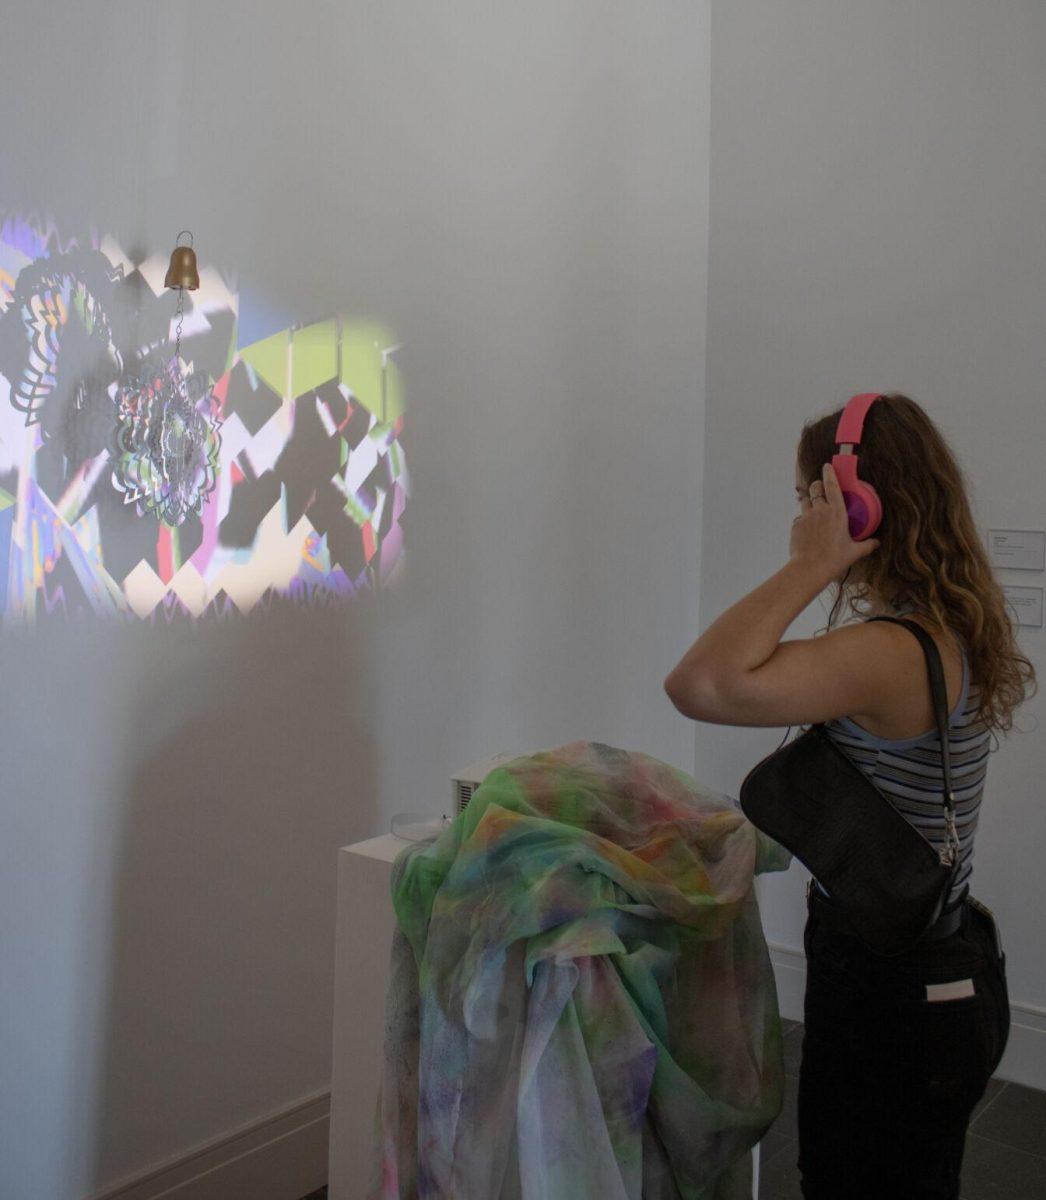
x=247 y=760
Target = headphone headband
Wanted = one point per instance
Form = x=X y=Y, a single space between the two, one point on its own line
x=851 y=422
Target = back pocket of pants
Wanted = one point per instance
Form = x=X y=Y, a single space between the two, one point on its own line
x=949 y=1046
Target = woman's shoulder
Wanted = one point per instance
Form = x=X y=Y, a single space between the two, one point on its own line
x=949 y=643
x=906 y=712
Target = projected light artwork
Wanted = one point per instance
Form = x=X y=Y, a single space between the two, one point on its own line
x=291 y=442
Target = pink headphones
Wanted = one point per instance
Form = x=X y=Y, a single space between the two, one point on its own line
x=863 y=507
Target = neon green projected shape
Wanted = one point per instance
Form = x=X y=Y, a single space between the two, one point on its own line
x=362 y=362
x=269 y=359
x=315 y=358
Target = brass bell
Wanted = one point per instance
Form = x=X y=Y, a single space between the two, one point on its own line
x=182 y=272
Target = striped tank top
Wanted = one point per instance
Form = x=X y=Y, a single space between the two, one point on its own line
x=910 y=774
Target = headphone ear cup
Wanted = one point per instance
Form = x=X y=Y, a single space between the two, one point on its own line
x=863 y=510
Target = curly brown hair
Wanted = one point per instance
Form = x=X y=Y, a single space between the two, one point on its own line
x=930 y=551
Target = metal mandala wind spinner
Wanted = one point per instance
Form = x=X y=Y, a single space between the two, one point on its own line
x=167 y=433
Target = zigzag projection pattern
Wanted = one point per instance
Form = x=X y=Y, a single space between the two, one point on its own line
x=311 y=477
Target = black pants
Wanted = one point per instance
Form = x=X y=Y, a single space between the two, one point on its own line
x=889 y=1075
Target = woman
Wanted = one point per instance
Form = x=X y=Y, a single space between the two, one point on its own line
x=892 y=1065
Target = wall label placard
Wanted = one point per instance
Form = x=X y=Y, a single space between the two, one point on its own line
x=1017 y=549
x=1027 y=603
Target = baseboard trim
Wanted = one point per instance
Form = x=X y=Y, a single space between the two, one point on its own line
x=1024 y=1060
x=282 y=1155
x=286 y=1153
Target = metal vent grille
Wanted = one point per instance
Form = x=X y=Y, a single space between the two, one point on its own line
x=465 y=791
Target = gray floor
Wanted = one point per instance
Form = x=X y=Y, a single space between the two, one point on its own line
x=1005 y=1156
x=1005 y=1145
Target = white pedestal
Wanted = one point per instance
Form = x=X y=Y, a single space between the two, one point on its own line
x=365 y=924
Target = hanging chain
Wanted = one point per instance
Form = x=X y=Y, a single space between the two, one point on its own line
x=183 y=395
x=179 y=312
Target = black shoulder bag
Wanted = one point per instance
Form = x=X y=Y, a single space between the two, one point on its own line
x=886 y=877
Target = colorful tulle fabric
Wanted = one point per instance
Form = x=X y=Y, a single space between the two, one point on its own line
x=581 y=1002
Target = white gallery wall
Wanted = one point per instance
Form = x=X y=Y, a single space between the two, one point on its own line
x=520 y=192
x=540 y=200
x=877 y=223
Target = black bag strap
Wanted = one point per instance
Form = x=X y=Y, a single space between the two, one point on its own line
x=940 y=708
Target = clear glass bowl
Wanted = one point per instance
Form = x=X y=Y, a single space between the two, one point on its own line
x=418 y=827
